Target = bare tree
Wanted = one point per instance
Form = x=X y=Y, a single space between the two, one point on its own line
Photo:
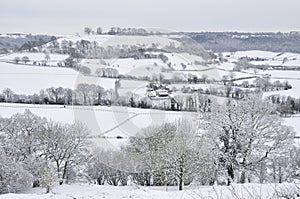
x=170 y=153
x=17 y=60
x=64 y=145
x=87 y=30
x=99 y=31
x=25 y=59
x=247 y=133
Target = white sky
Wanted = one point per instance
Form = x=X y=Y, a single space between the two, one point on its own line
x=71 y=16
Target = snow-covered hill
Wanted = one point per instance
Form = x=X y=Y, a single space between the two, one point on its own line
x=122 y=40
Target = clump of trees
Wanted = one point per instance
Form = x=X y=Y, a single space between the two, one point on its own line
x=107 y=72
x=84 y=94
x=37 y=152
x=168 y=154
x=85 y=70
x=265 y=84
x=286 y=105
x=127 y=31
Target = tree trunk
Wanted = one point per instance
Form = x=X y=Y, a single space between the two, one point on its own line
x=279 y=174
x=48 y=189
x=180 y=182
x=64 y=173
x=243 y=177
x=58 y=172
x=99 y=98
x=181 y=176
x=230 y=174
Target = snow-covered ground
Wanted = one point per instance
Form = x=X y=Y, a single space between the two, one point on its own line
x=110 y=121
x=54 y=59
x=91 y=38
x=90 y=191
x=147 y=67
x=270 y=58
x=293 y=77
x=177 y=59
x=294 y=92
x=35 y=56
x=130 y=66
x=102 y=121
x=253 y=54
x=293 y=121
x=25 y=79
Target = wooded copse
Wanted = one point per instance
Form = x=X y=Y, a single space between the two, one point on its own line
x=240 y=141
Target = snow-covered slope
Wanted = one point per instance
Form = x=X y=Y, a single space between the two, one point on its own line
x=25 y=79
x=34 y=56
x=89 y=191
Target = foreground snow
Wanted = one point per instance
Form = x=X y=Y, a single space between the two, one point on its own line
x=83 y=191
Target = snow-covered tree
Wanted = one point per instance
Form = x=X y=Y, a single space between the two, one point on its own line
x=87 y=30
x=87 y=93
x=47 y=55
x=247 y=133
x=169 y=154
x=17 y=60
x=99 y=31
x=19 y=141
x=8 y=94
x=109 y=166
x=13 y=177
x=25 y=59
x=64 y=145
x=85 y=70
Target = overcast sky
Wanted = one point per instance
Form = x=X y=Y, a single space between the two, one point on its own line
x=70 y=16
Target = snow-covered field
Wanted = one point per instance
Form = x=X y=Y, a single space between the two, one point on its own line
x=236 y=191
x=293 y=77
x=147 y=67
x=293 y=121
x=53 y=60
x=130 y=66
x=102 y=121
x=270 y=58
x=35 y=56
x=25 y=79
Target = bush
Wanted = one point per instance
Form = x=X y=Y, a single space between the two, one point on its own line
x=85 y=70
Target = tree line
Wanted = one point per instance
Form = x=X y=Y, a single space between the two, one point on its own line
x=84 y=94
x=95 y=95
x=234 y=41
